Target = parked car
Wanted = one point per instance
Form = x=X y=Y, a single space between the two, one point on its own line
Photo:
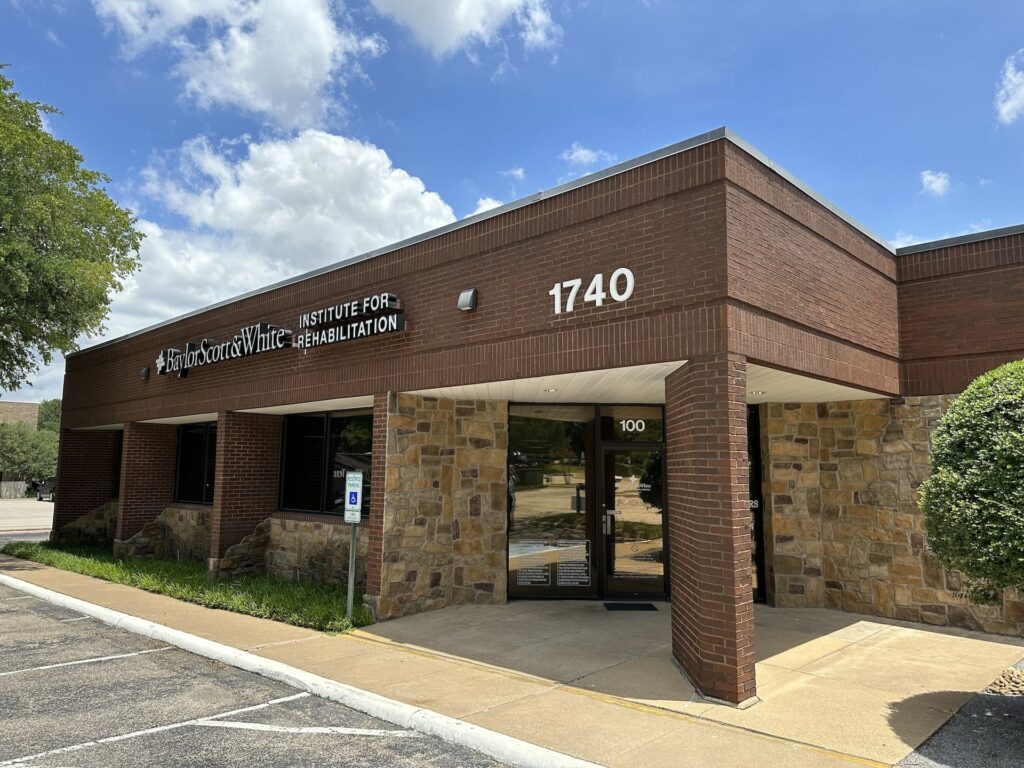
x=47 y=490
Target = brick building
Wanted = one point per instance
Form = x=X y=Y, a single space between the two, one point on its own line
x=685 y=377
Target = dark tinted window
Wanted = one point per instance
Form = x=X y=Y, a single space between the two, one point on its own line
x=197 y=455
x=118 y=449
x=319 y=450
x=302 y=475
x=350 y=449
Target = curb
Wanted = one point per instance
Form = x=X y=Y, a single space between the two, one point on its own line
x=452 y=730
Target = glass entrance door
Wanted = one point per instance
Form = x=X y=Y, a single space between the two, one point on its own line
x=632 y=523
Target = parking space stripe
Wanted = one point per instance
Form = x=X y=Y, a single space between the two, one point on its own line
x=87 y=661
x=338 y=729
x=148 y=731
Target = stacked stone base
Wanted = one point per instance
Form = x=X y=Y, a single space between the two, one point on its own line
x=297 y=550
x=844 y=529
x=96 y=527
x=177 y=533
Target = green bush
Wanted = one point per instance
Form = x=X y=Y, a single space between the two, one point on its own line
x=973 y=501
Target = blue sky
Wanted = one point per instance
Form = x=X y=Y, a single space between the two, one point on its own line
x=257 y=139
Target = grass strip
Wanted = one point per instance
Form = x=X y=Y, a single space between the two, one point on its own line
x=303 y=604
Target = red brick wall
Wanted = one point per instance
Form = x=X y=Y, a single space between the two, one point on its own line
x=147 y=475
x=961 y=313
x=665 y=221
x=375 y=550
x=807 y=291
x=709 y=525
x=246 y=478
x=86 y=471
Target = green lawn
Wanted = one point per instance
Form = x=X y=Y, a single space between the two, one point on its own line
x=317 y=606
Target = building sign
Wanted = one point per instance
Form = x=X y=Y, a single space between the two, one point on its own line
x=252 y=340
x=372 y=315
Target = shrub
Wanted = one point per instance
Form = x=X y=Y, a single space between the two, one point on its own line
x=973 y=501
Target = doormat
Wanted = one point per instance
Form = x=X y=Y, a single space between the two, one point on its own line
x=630 y=606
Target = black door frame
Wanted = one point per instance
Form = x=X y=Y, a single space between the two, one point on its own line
x=602 y=543
x=598 y=544
x=756 y=478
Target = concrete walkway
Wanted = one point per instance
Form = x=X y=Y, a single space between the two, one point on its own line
x=837 y=689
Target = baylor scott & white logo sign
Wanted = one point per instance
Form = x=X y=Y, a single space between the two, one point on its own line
x=372 y=315
x=252 y=340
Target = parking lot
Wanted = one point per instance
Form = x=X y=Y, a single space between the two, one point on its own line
x=25 y=519
x=75 y=692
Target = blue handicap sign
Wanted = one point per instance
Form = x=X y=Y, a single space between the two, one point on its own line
x=353 y=497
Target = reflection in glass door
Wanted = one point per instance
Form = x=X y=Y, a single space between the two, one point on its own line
x=552 y=520
x=633 y=523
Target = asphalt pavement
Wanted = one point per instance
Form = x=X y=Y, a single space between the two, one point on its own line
x=987 y=732
x=25 y=520
x=76 y=692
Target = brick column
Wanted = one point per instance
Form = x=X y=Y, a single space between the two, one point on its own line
x=147 y=475
x=709 y=525
x=375 y=549
x=246 y=481
x=86 y=469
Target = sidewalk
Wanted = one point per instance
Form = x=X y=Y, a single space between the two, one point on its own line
x=605 y=729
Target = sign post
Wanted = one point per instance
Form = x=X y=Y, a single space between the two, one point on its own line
x=353 y=511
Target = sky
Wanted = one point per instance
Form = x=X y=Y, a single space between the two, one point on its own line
x=259 y=139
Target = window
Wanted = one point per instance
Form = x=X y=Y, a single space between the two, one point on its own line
x=197 y=456
x=318 y=450
x=115 y=492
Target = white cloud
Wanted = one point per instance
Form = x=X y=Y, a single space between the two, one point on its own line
x=935 y=183
x=279 y=58
x=486 y=204
x=1009 y=100
x=577 y=154
x=446 y=26
x=903 y=239
x=518 y=173
x=538 y=28
x=258 y=213
x=299 y=203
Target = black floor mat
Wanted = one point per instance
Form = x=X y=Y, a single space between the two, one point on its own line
x=630 y=606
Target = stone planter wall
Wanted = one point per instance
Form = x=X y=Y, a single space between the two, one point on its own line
x=844 y=527
x=444 y=513
x=314 y=551
x=96 y=527
x=177 y=533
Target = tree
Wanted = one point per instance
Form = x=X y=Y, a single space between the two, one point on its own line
x=28 y=453
x=49 y=415
x=65 y=246
x=973 y=501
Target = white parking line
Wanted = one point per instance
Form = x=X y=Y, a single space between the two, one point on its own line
x=148 y=731
x=339 y=729
x=77 y=618
x=87 y=661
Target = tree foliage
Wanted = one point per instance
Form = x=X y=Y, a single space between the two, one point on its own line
x=49 y=415
x=28 y=453
x=973 y=501
x=65 y=246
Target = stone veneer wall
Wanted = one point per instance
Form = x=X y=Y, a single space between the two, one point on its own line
x=298 y=550
x=96 y=527
x=844 y=529
x=313 y=551
x=179 y=532
x=444 y=538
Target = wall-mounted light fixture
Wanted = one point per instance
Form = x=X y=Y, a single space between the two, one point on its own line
x=144 y=374
x=757 y=392
x=467 y=300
